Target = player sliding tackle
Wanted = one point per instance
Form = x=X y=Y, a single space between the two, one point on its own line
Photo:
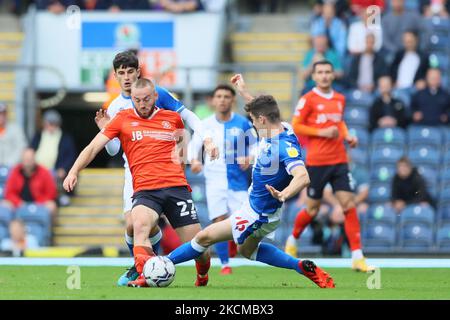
x=148 y=136
x=278 y=174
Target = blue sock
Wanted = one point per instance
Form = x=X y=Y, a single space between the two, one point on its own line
x=130 y=243
x=156 y=241
x=222 y=251
x=185 y=252
x=273 y=256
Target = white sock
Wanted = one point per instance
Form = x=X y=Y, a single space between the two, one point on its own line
x=291 y=240
x=157 y=237
x=128 y=239
x=357 y=254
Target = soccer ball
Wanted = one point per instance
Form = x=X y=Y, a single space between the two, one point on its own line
x=159 y=271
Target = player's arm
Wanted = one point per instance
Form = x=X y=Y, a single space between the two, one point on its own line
x=102 y=118
x=86 y=156
x=352 y=140
x=299 y=181
x=238 y=81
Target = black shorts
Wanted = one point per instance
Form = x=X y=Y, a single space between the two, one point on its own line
x=175 y=202
x=338 y=175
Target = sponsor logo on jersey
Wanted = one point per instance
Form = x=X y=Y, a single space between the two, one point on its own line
x=166 y=124
x=134 y=124
x=292 y=152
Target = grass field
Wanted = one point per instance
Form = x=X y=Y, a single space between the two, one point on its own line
x=38 y=282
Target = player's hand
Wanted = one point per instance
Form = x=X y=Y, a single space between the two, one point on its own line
x=352 y=141
x=211 y=149
x=70 y=182
x=276 y=194
x=330 y=132
x=196 y=166
x=244 y=162
x=238 y=81
x=102 y=118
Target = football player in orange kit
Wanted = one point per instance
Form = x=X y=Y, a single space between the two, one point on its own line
x=148 y=136
x=318 y=122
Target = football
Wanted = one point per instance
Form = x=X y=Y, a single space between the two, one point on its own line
x=159 y=271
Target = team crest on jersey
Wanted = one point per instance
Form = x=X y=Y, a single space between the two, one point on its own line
x=134 y=124
x=166 y=124
x=320 y=107
x=234 y=131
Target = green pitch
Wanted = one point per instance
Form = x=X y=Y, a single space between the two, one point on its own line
x=246 y=283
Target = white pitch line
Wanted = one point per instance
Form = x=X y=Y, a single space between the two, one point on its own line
x=234 y=262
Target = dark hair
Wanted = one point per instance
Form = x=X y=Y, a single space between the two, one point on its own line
x=413 y=32
x=126 y=59
x=404 y=159
x=322 y=63
x=264 y=105
x=224 y=87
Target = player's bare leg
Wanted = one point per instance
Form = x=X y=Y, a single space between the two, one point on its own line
x=202 y=263
x=144 y=220
x=353 y=231
x=303 y=219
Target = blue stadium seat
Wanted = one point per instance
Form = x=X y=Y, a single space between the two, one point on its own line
x=418 y=213
x=404 y=95
x=379 y=192
x=4 y=232
x=198 y=192
x=445 y=178
x=6 y=215
x=446 y=135
x=357 y=98
x=2 y=191
x=430 y=174
x=443 y=237
x=356 y=116
x=39 y=231
x=380 y=235
x=389 y=136
x=444 y=213
x=441 y=59
x=416 y=236
x=381 y=213
x=383 y=173
x=385 y=155
x=34 y=213
x=444 y=195
x=362 y=135
x=425 y=156
x=359 y=156
x=3 y=174
x=420 y=135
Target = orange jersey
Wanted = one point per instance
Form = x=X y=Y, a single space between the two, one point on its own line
x=316 y=111
x=150 y=147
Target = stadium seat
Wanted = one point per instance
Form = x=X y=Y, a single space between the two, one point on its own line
x=418 y=213
x=359 y=156
x=357 y=98
x=362 y=135
x=4 y=232
x=385 y=155
x=2 y=191
x=404 y=95
x=446 y=135
x=381 y=213
x=356 y=116
x=425 y=156
x=198 y=192
x=379 y=192
x=380 y=235
x=6 y=215
x=444 y=213
x=443 y=237
x=444 y=195
x=3 y=174
x=34 y=213
x=388 y=136
x=383 y=173
x=416 y=236
x=441 y=60
x=39 y=231
x=445 y=178
x=420 y=135
x=429 y=173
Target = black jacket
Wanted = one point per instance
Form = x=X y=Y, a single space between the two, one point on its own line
x=395 y=108
x=421 y=71
x=411 y=190
x=432 y=106
x=380 y=69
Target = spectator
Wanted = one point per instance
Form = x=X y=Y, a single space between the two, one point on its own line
x=366 y=68
x=180 y=6
x=357 y=35
x=386 y=111
x=332 y=27
x=60 y=6
x=12 y=140
x=55 y=150
x=431 y=105
x=19 y=239
x=341 y=7
x=319 y=52
x=358 y=6
x=430 y=8
x=395 y=22
x=410 y=65
x=30 y=182
x=408 y=186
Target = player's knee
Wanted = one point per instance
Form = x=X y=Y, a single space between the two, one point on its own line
x=347 y=204
x=204 y=238
x=245 y=252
